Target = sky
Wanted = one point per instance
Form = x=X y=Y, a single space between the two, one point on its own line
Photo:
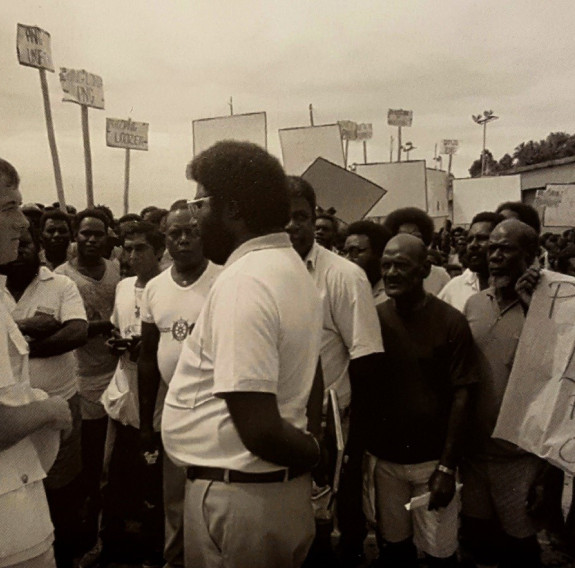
x=169 y=62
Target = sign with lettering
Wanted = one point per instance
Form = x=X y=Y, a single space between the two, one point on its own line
x=538 y=409
x=559 y=202
x=82 y=87
x=449 y=146
x=34 y=47
x=127 y=134
x=399 y=117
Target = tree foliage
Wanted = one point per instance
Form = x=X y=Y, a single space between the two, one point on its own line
x=557 y=145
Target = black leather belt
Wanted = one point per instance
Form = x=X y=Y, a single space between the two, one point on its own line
x=234 y=476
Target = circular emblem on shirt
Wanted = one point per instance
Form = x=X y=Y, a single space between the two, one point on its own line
x=180 y=329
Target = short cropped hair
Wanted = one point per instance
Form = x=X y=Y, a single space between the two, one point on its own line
x=411 y=215
x=92 y=213
x=153 y=236
x=299 y=187
x=56 y=215
x=129 y=217
x=487 y=217
x=8 y=174
x=526 y=213
x=178 y=205
x=244 y=173
x=377 y=234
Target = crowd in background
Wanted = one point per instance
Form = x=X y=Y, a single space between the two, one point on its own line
x=111 y=499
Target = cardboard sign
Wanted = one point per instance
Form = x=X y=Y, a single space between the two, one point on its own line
x=399 y=117
x=364 y=131
x=449 y=146
x=559 y=202
x=472 y=195
x=538 y=408
x=405 y=183
x=302 y=146
x=437 y=185
x=82 y=87
x=348 y=129
x=251 y=127
x=34 y=47
x=127 y=134
x=351 y=195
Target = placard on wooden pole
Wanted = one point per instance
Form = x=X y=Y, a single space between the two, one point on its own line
x=131 y=136
x=33 y=46
x=87 y=90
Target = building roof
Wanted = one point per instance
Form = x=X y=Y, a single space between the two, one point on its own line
x=539 y=166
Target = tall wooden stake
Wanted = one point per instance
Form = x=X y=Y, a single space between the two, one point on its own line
x=399 y=143
x=52 y=140
x=127 y=183
x=87 y=157
x=365 y=151
x=311 y=114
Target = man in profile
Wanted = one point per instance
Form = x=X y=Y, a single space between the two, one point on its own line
x=235 y=412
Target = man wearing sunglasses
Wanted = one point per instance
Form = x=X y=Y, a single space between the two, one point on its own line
x=235 y=412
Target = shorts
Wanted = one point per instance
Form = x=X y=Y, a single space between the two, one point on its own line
x=498 y=489
x=433 y=532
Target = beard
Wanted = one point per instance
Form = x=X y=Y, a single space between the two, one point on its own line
x=500 y=281
x=20 y=274
x=217 y=242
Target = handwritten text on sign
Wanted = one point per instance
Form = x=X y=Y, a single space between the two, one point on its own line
x=127 y=134
x=399 y=117
x=34 y=48
x=82 y=87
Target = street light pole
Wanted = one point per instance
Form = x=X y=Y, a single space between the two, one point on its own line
x=487 y=116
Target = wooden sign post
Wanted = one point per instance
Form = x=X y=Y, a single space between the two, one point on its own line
x=87 y=90
x=450 y=148
x=399 y=118
x=131 y=136
x=33 y=46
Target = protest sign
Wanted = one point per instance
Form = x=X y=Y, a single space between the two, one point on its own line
x=82 y=87
x=559 y=202
x=538 y=409
x=34 y=48
x=449 y=147
x=127 y=134
x=351 y=195
x=399 y=117
x=251 y=127
x=302 y=146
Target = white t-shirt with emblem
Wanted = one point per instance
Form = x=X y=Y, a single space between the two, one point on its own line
x=174 y=310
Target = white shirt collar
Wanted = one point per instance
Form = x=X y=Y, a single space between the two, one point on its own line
x=273 y=240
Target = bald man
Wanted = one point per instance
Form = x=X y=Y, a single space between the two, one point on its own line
x=414 y=418
x=497 y=475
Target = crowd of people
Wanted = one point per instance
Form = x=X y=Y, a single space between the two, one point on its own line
x=166 y=375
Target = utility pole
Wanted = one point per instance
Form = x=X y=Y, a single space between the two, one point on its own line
x=311 y=114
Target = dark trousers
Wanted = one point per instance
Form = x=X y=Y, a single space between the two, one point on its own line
x=132 y=511
x=93 y=446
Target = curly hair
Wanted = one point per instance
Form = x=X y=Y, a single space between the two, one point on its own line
x=413 y=215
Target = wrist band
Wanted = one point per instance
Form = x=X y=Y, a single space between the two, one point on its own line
x=318 y=450
x=446 y=470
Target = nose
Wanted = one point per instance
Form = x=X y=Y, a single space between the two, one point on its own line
x=21 y=222
x=290 y=226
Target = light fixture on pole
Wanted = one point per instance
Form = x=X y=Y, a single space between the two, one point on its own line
x=483 y=119
x=407 y=148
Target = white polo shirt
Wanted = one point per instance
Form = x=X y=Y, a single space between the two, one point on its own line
x=174 y=310
x=350 y=324
x=458 y=290
x=437 y=279
x=259 y=331
x=58 y=296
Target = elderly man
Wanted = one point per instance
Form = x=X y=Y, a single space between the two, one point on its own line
x=475 y=278
x=497 y=475
x=235 y=412
x=414 y=419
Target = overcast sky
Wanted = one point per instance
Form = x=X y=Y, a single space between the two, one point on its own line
x=168 y=62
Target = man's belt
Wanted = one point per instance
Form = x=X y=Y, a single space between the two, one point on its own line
x=234 y=476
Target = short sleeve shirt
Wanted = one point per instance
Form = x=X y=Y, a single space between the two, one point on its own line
x=458 y=290
x=259 y=331
x=350 y=326
x=174 y=310
x=496 y=335
x=58 y=296
x=428 y=354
